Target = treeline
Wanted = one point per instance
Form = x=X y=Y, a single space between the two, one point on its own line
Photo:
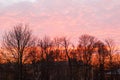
x=23 y=57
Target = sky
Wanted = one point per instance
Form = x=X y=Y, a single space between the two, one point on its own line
x=72 y=18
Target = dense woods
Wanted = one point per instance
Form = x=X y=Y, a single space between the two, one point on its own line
x=23 y=57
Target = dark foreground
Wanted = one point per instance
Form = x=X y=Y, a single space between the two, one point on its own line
x=56 y=71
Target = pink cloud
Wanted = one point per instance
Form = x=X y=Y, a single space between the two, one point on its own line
x=72 y=18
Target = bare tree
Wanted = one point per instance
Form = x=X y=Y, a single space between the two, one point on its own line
x=86 y=46
x=112 y=50
x=102 y=55
x=46 y=46
x=15 y=42
x=66 y=45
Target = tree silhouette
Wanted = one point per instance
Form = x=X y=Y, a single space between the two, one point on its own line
x=103 y=53
x=16 y=42
x=57 y=58
x=46 y=46
x=66 y=44
x=112 y=50
x=86 y=46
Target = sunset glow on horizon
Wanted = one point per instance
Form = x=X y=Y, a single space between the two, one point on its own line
x=71 y=18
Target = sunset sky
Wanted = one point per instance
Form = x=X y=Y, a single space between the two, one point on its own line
x=72 y=18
